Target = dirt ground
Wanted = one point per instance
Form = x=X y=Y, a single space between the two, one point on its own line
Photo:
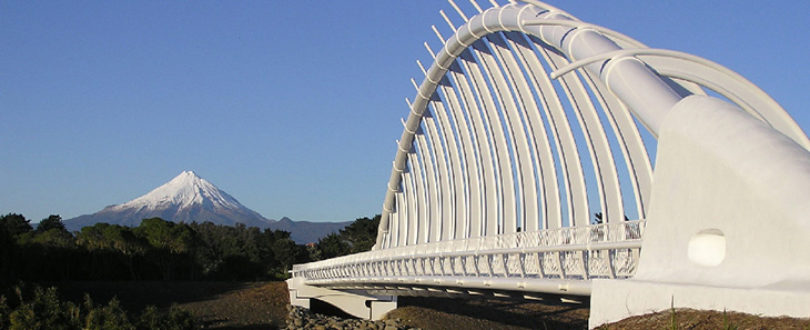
x=700 y=320
x=452 y=313
x=215 y=305
x=263 y=305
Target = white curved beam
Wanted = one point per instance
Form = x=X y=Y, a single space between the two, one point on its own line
x=523 y=143
x=431 y=186
x=572 y=40
x=482 y=149
x=445 y=206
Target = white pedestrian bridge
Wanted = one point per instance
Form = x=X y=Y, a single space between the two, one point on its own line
x=524 y=171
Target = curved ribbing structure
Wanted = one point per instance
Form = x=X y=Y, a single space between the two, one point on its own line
x=522 y=168
x=514 y=150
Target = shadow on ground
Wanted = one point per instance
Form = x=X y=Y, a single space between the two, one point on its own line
x=478 y=313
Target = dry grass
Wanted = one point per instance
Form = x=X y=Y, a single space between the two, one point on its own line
x=707 y=320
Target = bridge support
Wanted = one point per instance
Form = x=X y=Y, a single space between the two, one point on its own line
x=614 y=300
x=357 y=304
x=728 y=221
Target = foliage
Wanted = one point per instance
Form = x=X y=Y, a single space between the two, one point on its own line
x=52 y=222
x=357 y=237
x=15 y=224
x=154 y=250
x=162 y=250
x=46 y=311
x=333 y=245
x=108 y=317
x=4 y=313
x=361 y=234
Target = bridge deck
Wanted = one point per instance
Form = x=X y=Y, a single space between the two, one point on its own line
x=557 y=261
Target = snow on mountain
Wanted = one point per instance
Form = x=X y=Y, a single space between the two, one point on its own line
x=190 y=198
x=186 y=198
x=184 y=191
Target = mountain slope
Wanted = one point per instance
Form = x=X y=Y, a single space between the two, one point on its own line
x=303 y=232
x=190 y=198
x=186 y=198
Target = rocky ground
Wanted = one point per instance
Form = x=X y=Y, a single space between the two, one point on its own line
x=301 y=318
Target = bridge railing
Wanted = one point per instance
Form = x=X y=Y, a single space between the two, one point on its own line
x=570 y=253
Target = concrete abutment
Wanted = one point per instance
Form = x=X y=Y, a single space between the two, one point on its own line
x=355 y=303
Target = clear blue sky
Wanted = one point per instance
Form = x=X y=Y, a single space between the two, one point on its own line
x=290 y=106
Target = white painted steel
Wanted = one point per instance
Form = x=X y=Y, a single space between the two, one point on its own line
x=560 y=131
x=711 y=75
x=573 y=179
x=516 y=262
x=744 y=181
x=491 y=155
x=420 y=202
x=503 y=162
x=445 y=205
x=497 y=145
x=472 y=182
x=505 y=19
x=455 y=173
x=409 y=207
x=504 y=137
x=514 y=105
x=482 y=149
x=521 y=133
x=470 y=167
x=431 y=186
x=632 y=147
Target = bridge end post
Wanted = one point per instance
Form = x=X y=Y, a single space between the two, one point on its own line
x=355 y=303
x=727 y=227
x=615 y=300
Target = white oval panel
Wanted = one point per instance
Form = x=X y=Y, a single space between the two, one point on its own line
x=707 y=247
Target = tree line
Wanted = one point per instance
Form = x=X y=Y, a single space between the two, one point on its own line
x=162 y=250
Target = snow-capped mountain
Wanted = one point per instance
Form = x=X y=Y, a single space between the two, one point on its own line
x=190 y=198
x=184 y=191
x=186 y=198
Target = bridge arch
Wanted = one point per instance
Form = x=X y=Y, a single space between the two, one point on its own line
x=496 y=124
x=489 y=85
x=527 y=122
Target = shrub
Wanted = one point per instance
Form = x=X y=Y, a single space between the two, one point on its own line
x=46 y=311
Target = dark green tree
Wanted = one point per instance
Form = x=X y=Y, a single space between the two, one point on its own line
x=361 y=234
x=333 y=245
x=4 y=312
x=111 y=316
x=44 y=311
x=174 y=246
x=51 y=233
x=8 y=248
x=54 y=221
x=162 y=234
x=15 y=224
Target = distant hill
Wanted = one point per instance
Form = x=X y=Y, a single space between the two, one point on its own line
x=190 y=198
x=303 y=232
